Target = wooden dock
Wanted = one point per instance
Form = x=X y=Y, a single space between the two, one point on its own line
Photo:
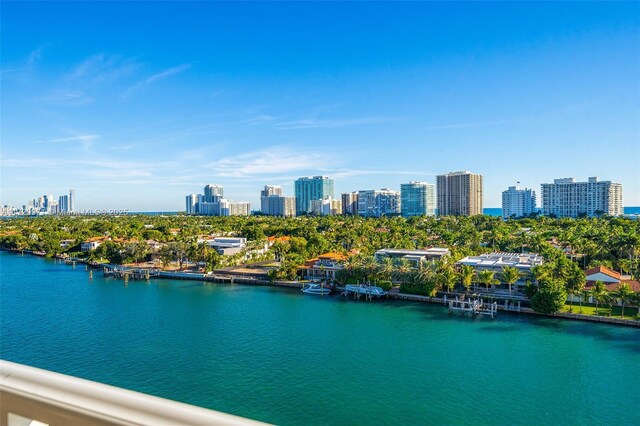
x=130 y=274
x=473 y=307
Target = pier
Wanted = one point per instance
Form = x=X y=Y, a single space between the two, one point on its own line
x=130 y=274
x=368 y=291
x=473 y=307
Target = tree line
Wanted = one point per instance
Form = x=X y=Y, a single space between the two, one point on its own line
x=568 y=245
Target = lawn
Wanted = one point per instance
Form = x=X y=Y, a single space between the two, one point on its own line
x=630 y=312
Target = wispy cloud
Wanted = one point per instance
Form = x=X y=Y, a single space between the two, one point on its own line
x=267 y=162
x=164 y=74
x=30 y=163
x=95 y=169
x=67 y=97
x=123 y=147
x=28 y=63
x=155 y=78
x=9 y=70
x=314 y=123
x=85 y=80
x=110 y=171
x=468 y=124
x=102 y=68
x=34 y=56
x=85 y=140
x=347 y=173
x=260 y=119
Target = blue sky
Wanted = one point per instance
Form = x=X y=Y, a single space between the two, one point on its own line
x=137 y=104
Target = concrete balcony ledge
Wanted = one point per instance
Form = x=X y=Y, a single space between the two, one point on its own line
x=31 y=396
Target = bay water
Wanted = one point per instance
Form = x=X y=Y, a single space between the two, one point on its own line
x=284 y=357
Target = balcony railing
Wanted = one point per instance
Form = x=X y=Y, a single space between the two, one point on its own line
x=33 y=397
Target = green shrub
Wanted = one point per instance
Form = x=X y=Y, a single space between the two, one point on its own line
x=550 y=297
x=385 y=285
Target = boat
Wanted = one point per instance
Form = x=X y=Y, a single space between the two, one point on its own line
x=370 y=290
x=316 y=289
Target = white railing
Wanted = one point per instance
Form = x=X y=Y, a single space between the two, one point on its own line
x=31 y=396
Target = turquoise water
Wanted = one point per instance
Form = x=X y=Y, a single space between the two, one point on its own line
x=280 y=356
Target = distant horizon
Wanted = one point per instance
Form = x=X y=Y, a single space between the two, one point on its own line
x=129 y=211
x=137 y=104
x=254 y=206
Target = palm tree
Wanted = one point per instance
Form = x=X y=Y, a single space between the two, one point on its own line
x=636 y=299
x=487 y=278
x=403 y=268
x=623 y=294
x=370 y=265
x=467 y=276
x=510 y=275
x=447 y=278
x=426 y=273
x=386 y=267
x=585 y=294
x=599 y=293
x=575 y=284
x=352 y=263
x=539 y=273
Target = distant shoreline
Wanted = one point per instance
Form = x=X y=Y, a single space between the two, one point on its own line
x=487 y=211
x=244 y=280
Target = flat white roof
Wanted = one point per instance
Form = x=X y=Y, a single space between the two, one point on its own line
x=432 y=251
x=498 y=260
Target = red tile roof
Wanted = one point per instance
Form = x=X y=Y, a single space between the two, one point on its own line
x=603 y=270
x=635 y=285
x=280 y=239
x=96 y=239
x=333 y=256
x=336 y=257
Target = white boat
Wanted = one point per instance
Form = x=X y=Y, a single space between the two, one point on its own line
x=316 y=289
x=365 y=289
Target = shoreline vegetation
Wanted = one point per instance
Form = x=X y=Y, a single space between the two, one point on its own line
x=176 y=247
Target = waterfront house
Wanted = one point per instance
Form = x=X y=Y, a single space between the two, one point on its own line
x=272 y=240
x=414 y=256
x=92 y=243
x=65 y=244
x=602 y=273
x=226 y=246
x=154 y=245
x=611 y=279
x=324 y=266
x=495 y=262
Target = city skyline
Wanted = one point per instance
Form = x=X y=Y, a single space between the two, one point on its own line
x=515 y=92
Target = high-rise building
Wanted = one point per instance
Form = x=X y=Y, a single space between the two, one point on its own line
x=63 y=204
x=212 y=203
x=350 y=203
x=213 y=193
x=272 y=202
x=567 y=198
x=269 y=190
x=192 y=204
x=277 y=205
x=518 y=202
x=459 y=194
x=311 y=188
x=376 y=203
x=233 y=208
x=53 y=207
x=417 y=199
x=326 y=207
x=208 y=209
x=72 y=200
x=48 y=200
